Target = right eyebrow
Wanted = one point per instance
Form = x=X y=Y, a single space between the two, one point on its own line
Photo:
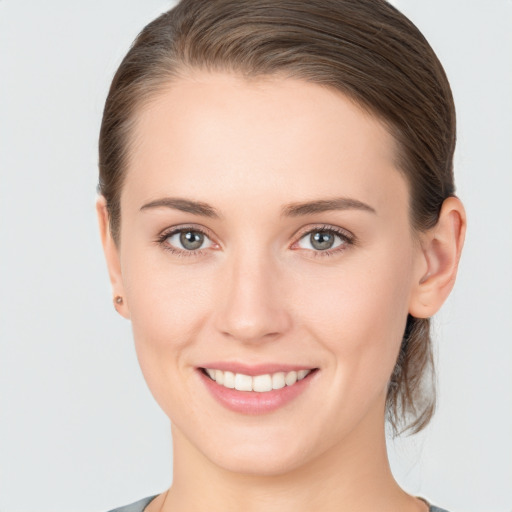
x=184 y=205
x=325 y=205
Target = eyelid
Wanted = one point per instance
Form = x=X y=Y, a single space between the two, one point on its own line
x=173 y=230
x=343 y=233
x=183 y=227
x=346 y=236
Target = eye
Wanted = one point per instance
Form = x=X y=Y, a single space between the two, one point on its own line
x=186 y=240
x=326 y=240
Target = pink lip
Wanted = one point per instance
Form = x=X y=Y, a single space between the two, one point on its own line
x=252 y=402
x=252 y=370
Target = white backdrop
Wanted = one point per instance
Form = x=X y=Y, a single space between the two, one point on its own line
x=79 y=431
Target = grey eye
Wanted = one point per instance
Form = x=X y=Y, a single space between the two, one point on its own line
x=191 y=240
x=188 y=239
x=321 y=240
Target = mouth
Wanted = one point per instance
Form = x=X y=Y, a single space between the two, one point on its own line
x=263 y=383
x=259 y=393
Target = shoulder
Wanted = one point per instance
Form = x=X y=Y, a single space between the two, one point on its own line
x=138 y=506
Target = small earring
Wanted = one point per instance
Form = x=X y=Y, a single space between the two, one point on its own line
x=118 y=300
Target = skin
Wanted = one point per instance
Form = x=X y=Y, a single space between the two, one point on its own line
x=259 y=292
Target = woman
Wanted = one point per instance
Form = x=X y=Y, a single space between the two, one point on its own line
x=278 y=216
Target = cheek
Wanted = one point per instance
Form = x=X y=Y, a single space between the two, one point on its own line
x=164 y=297
x=359 y=313
x=164 y=309
x=167 y=305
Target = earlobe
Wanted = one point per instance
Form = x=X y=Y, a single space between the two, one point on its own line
x=441 y=248
x=111 y=252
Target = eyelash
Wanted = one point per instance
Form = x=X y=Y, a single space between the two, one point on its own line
x=181 y=253
x=347 y=240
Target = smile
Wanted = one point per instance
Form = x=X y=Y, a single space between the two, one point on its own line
x=258 y=383
x=259 y=393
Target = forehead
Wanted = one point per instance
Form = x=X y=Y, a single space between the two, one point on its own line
x=223 y=135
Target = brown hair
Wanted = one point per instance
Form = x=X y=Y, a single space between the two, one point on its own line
x=365 y=49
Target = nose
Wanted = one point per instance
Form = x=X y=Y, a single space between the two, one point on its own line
x=252 y=307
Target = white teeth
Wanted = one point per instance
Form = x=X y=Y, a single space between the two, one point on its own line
x=229 y=380
x=302 y=373
x=278 y=380
x=262 y=383
x=291 y=378
x=243 y=382
x=258 y=383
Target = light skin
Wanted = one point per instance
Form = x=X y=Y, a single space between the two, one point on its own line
x=258 y=291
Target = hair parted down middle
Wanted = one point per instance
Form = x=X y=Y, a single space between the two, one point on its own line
x=365 y=49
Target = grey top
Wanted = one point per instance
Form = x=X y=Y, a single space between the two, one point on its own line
x=140 y=505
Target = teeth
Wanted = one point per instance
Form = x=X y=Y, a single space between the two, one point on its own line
x=302 y=373
x=291 y=378
x=243 y=382
x=229 y=379
x=262 y=383
x=258 y=383
x=278 y=380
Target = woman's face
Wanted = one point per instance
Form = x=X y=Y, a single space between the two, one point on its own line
x=265 y=229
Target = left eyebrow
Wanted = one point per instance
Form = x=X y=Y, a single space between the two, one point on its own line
x=324 y=205
x=184 y=205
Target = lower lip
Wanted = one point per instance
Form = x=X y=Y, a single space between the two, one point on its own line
x=253 y=402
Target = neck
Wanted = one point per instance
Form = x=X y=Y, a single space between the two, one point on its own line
x=354 y=475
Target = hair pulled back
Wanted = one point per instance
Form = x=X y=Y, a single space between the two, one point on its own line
x=365 y=49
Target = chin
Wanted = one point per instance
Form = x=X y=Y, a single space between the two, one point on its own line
x=264 y=452
x=253 y=461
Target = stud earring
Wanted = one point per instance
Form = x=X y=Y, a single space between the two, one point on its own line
x=118 y=300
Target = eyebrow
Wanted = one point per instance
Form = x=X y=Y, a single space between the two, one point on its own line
x=324 y=205
x=184 y=205
x=289 y=210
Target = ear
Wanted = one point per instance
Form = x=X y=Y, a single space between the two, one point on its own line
x=112 y=256
x=441 y=248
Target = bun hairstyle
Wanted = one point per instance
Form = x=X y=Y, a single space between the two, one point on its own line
x=365 y=49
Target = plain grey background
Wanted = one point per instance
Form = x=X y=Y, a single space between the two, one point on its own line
x=79 y=431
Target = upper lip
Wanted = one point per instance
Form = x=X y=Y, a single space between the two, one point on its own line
x=254 y=369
